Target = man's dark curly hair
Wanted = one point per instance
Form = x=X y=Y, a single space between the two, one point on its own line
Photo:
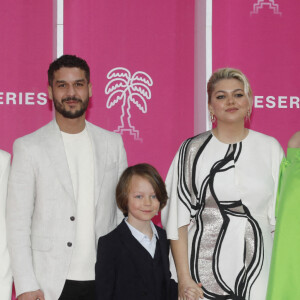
x=68 y=61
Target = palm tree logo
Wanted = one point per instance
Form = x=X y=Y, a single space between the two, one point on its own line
x=128 y=89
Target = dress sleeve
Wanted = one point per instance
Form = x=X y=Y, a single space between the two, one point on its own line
x=293 y=157
x=277 y=161
x=177 y=211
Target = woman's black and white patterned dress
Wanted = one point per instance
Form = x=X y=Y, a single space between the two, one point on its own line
x=226 y=194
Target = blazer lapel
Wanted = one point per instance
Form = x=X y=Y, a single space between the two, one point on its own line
x=99 y=145
x=54 y=146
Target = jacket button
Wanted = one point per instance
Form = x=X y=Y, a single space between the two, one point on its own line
x=72 y=218
x=69 y=244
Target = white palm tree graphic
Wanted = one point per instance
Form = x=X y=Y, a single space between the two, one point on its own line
x=128 y=89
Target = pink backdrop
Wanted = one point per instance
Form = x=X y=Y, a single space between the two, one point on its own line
x=25 y=53
x=155 y=37
x=262 y=39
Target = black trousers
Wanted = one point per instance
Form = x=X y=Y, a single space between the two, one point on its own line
x=78 y=290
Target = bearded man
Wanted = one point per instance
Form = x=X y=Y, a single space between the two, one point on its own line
x=61 y=193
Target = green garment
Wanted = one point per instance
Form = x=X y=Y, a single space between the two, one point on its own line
x=284 y=281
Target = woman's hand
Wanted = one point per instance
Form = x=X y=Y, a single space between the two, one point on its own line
x=188 y=289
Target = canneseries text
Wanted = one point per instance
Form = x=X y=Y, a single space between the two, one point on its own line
x=31 y=98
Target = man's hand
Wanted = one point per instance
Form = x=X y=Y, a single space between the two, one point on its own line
x=36 y=295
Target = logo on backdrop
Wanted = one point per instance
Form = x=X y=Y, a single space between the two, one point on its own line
x=269 y=4
x=128 y=90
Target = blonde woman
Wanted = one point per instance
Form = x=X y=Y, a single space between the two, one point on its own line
x=5 y=273
x=222 y=189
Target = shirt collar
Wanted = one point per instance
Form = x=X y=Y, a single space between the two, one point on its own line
x=139 y=235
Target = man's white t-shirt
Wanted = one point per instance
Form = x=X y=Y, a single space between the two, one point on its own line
x=80 y=158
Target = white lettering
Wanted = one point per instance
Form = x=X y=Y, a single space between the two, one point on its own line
x=11 y=97
x=270 y=102
x=294 y=100
x=20 y=98
x=28 y=98
x=282 y=101
x=258 y=101
x=42 y=98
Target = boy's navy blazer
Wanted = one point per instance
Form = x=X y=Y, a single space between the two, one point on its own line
x=121 y=268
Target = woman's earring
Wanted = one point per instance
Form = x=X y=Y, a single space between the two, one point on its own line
x=212 y=117
x=248 y=115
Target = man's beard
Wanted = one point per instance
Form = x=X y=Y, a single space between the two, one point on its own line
x=69 y=114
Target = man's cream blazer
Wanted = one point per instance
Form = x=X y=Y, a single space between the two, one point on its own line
x=41 y=203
